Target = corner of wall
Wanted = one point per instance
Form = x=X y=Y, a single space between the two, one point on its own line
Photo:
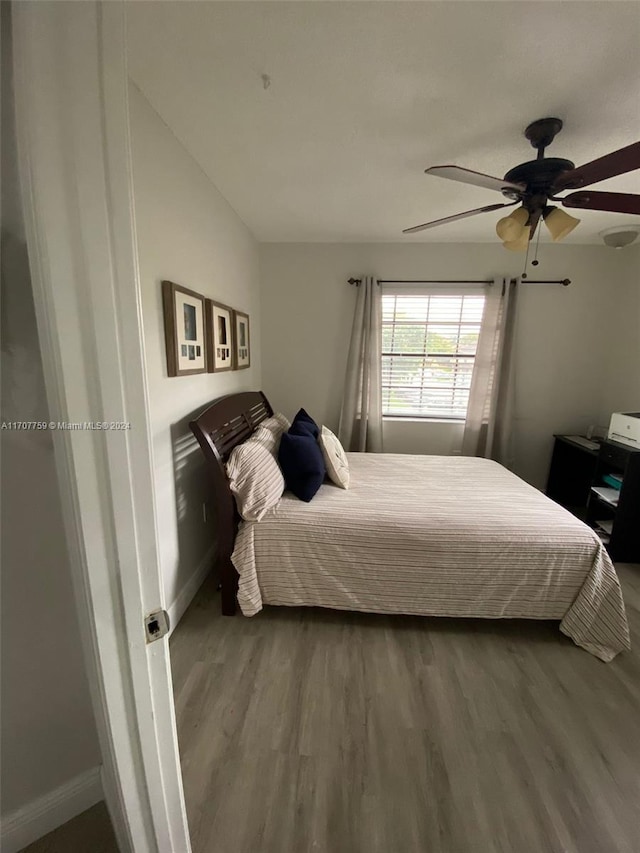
x=34 y=820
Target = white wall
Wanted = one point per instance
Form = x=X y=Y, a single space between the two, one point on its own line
x=189 y=234
x=622 y=380
x=565 y=360
x=48 y=730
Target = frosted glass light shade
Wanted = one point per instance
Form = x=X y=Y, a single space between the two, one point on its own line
x=509 y=228
x=560 y=224
x=620 y=235
x=519 y=245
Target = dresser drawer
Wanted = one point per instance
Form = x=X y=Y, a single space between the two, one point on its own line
x=614 y=455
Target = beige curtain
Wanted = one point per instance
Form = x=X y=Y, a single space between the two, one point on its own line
x=488 y=427
x=361 y=414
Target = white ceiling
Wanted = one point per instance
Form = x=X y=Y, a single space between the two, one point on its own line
x=365 y=95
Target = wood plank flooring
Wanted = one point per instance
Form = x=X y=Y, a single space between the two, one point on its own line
x=89 y=832
x=310 y=731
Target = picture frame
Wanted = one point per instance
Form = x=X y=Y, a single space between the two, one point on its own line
x=220 y=329
x=184 y=330
x=242 y=341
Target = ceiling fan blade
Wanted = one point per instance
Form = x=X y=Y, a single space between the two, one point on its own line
x=468 y=176
x=612 y=202
x=456 y=216
x=617 y=163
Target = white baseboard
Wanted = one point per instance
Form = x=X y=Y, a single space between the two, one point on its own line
x=184 y=598
x=31 y=822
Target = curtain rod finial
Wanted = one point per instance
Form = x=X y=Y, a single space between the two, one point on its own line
x=353 y=281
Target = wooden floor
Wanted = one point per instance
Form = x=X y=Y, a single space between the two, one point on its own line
x=308 y=730
x=89 y=832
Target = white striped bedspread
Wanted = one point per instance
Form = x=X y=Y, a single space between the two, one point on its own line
x=434 y=536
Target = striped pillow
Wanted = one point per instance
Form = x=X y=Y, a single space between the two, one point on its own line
x=267 y=437
x=277 y=424
x=255 y=479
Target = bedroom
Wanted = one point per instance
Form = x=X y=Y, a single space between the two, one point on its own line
x=290 y=274
x=323 y=162
x=277 y=151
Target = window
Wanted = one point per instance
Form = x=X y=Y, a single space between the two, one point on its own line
x=429 y=344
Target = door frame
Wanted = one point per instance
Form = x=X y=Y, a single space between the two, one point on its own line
x=72 y=120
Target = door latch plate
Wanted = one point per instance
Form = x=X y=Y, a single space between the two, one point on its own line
x=156 y=625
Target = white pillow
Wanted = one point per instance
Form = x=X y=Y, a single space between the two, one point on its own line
x=334 y=458
x=255 y=478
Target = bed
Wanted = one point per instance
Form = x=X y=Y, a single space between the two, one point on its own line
x=425 y=535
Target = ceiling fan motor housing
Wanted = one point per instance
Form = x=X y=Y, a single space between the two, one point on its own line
x=538 y=176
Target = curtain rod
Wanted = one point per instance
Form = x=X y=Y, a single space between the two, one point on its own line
x=565 y=282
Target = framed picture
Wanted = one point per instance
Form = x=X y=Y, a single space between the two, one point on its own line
x=219 y=323
x=242 y=343
x=184 y=330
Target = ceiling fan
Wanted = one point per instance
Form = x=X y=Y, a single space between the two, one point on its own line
x=534 y=184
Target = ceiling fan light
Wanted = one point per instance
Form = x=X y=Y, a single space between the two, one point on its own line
x=559 y=223
x=620 y=235
x=510 y=228
x=519 y=245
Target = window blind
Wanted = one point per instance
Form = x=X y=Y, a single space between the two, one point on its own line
x=429 y=342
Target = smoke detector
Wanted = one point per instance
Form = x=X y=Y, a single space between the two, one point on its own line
x=620 y=235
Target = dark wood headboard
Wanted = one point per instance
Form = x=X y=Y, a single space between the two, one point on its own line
x=223 y=425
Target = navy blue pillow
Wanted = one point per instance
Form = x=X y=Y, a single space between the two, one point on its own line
x=302 y=464
x=304 y=424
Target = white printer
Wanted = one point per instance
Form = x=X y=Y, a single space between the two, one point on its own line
x=625 y=428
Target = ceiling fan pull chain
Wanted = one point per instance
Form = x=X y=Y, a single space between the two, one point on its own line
x=526 y=260
x=535 y=261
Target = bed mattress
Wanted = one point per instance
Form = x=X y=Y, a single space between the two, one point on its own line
x=437 y=536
